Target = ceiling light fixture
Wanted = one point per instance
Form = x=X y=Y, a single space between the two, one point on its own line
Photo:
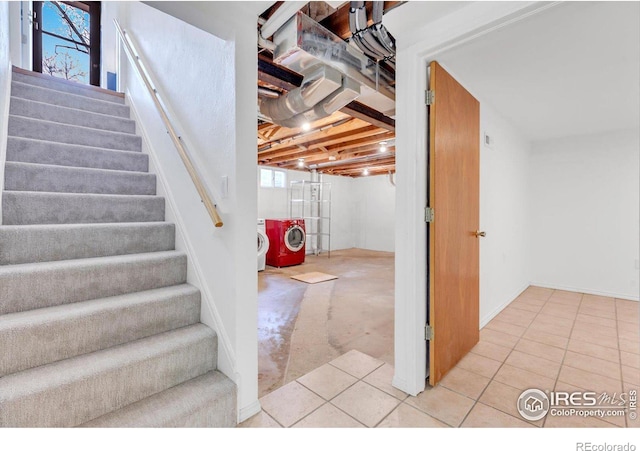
x=383 y=146
x=300 y=162
x=306 y=126
x=332 y=158
x=365 y=172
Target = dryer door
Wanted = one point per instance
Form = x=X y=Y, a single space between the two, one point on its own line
x=294 y=238
x=263 y=243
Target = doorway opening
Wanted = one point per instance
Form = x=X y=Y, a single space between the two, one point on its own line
x=326 y=156
x=66 y=40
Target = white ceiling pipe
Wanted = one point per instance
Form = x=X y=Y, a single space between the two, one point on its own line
x=280 y=17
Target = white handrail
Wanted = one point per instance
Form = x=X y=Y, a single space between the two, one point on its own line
x=177 y=141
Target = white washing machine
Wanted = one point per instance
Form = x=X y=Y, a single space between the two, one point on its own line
x=263 y=245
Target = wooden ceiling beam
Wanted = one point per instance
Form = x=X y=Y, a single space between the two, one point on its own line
x=366 y=113
x=285 y=132
x=362 y=164
x=295 y=153
x=353 y=143
x=320 y=138
x=359 y=172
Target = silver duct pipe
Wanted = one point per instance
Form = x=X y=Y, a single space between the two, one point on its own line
x=374 y=41
x=264 y=92
x=324 y=90
x=317 y=84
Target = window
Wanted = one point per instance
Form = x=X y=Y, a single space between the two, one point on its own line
x=273 y=178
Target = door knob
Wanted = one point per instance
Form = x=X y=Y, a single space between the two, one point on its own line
x=478 y=233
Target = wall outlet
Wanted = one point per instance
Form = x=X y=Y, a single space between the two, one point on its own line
x=488 y=140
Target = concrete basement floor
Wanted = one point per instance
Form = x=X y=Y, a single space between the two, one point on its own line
x=303 y=326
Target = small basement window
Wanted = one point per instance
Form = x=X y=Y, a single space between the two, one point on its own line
x=273 y=178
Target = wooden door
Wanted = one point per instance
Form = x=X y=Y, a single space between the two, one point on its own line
x=454 y=186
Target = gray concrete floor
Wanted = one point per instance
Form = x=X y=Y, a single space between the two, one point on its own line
x=303 y=326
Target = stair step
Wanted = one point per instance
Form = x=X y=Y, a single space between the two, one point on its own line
x=38 y=151
x=41 y=243
x=47 y=284
x=65 y=115
x=51 y=96
x=51 y=334
x=24 y=127
x=29 y=207
x=206 y=401
x=62 y=179
x=65 y=86
x=80 y=389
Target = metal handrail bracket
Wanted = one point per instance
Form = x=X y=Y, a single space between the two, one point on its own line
x=134 y=57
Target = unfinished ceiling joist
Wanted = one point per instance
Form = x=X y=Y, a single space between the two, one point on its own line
x=355 y=137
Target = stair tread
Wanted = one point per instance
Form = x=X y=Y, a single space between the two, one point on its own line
x=57 y=312
x=60 y=111
x=78 y=389
x=176 y=406
x=66 y=93
x=96 y=195
x=56 y=167
x=66 y=86
x=9 y=228
x=27 y=127
x=51 y=334
x=33 y=379
x=60 y=124
x=92 y=261
x=73 y=147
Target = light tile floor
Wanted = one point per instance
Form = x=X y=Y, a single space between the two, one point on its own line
x=546 y=339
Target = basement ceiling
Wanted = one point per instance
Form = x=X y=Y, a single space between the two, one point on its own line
x=355 y=141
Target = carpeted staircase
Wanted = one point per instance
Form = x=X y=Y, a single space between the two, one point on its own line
x=98 y=326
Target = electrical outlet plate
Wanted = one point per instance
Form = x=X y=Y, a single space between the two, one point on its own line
x=487 y=140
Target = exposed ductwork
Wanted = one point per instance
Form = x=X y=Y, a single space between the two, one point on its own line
x=324 y=90
x=374 y=41
x=334 y=74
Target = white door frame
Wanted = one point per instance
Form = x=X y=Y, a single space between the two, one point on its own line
x=416 y=48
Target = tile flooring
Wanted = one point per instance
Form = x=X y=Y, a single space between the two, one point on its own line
x=546 y=339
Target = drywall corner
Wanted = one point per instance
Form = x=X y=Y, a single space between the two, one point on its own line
x=5 y=89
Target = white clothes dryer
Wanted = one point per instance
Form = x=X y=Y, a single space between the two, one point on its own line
x=263 y=245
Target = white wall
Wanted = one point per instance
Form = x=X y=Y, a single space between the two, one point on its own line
x=273 y=203
x=504 y=214
x=374 y=213
x=584 y=204
x=362 y=209
x=209 y=83
x=5 y=86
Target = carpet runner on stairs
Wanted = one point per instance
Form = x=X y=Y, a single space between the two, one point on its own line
x=98 y=326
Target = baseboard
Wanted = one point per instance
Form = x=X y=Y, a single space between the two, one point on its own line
x=586 y=291
x=207 y=298
x=485 y=320
x=248 y=411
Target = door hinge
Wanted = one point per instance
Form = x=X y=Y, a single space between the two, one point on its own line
x=428 y=214
x=429 y=97
x=428 y=332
